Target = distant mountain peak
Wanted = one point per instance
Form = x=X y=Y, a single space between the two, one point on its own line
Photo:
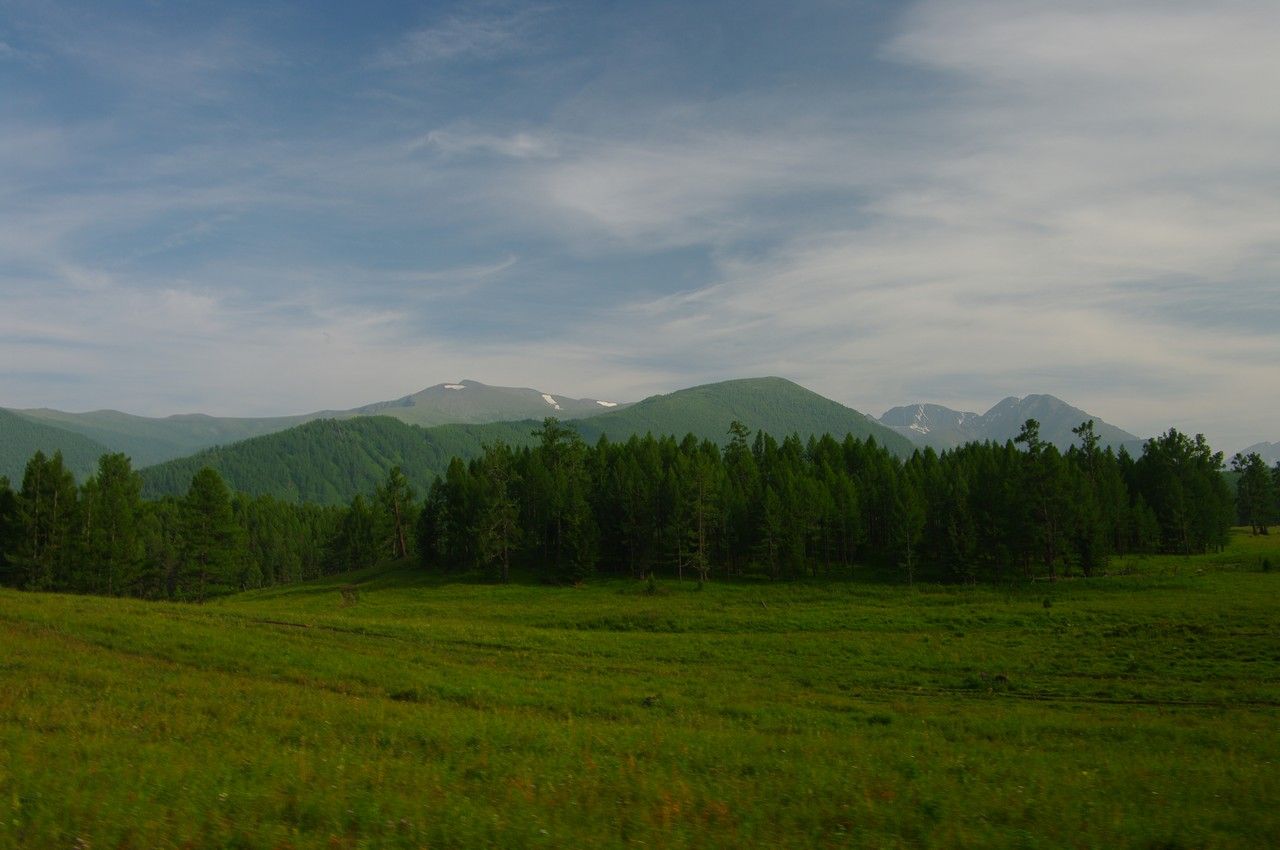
x=471 y=402
x=1269 y=452
x=942 y=427
x=775 y=405
x=151 y=440
x=924 y=419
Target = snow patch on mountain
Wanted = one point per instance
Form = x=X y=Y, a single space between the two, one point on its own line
x=551 y=401
x=942 y=428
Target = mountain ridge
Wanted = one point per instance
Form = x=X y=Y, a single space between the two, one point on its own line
x=24 y=437
x=330 y=460
x=773 y=404
x=941 y=428
x=472 y=402
x=768 y=404
x=152 y=440
x=1270 y=452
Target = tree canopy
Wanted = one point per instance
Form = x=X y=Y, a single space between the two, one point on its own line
x=563 y=510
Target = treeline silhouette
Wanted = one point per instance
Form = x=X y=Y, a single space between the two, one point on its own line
x=822 y=507
x=102 y=537
x=562 y=510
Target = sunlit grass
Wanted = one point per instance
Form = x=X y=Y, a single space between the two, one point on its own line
x=1134 y=710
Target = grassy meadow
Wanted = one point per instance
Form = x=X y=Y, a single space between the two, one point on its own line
x=1137 y=710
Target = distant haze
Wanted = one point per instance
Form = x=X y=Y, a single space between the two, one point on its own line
x=253 y=209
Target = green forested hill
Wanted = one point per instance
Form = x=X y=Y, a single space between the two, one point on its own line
x=151 y=440
x=773 y=405
x=23 y=437
x=329 y=460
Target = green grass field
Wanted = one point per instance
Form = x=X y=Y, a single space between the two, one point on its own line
x=1133 y=710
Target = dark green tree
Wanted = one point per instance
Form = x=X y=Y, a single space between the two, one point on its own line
x=636 y=477
x=565 y=522
x=1092 y=530
x=162 y=530
x=740 y=500
x=498 y=529
x=906 y=523
x=395 y=512
x=211 y=540
x=699 y=508
x=430 y=531
x=46 y=514
x=10 y=531
x=770 y=543
x=1255 y=492
x=112 y=512
x=1179 y=478
x=1045 y=485
x=354 y=545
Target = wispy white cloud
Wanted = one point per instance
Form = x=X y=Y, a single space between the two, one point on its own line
x=1016 y=197
x=1025 y=229
x=145 y=60
x=217 y=347
x=460 y=140
x=482 y=32
x=687 y=190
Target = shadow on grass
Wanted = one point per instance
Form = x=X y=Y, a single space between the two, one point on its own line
x=1161 y=570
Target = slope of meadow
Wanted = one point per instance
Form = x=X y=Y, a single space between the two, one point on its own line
x=392 y=708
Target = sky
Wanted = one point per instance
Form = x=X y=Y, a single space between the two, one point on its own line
x=268 y=208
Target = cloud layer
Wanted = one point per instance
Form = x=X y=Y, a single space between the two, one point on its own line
x=958 y=202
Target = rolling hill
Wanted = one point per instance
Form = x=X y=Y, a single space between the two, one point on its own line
x=471 y=402
x=149 y=440
x=330 y=460
x=773 y=405
x=152 y=440
x=944 y=428
x=23 y=437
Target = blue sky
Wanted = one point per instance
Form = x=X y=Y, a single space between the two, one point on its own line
x=269 y=208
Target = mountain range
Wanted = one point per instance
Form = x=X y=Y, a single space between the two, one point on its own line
x=331 y=460
x=471 y=402
x=943 y=428
x=328 y=456
x=152 y=440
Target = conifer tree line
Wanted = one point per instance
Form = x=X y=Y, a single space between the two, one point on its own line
x=1257 y=492
x=102 y=537
x=689 y=509
x=824 y=507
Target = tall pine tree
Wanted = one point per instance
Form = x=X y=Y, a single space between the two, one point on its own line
x=211 y=539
